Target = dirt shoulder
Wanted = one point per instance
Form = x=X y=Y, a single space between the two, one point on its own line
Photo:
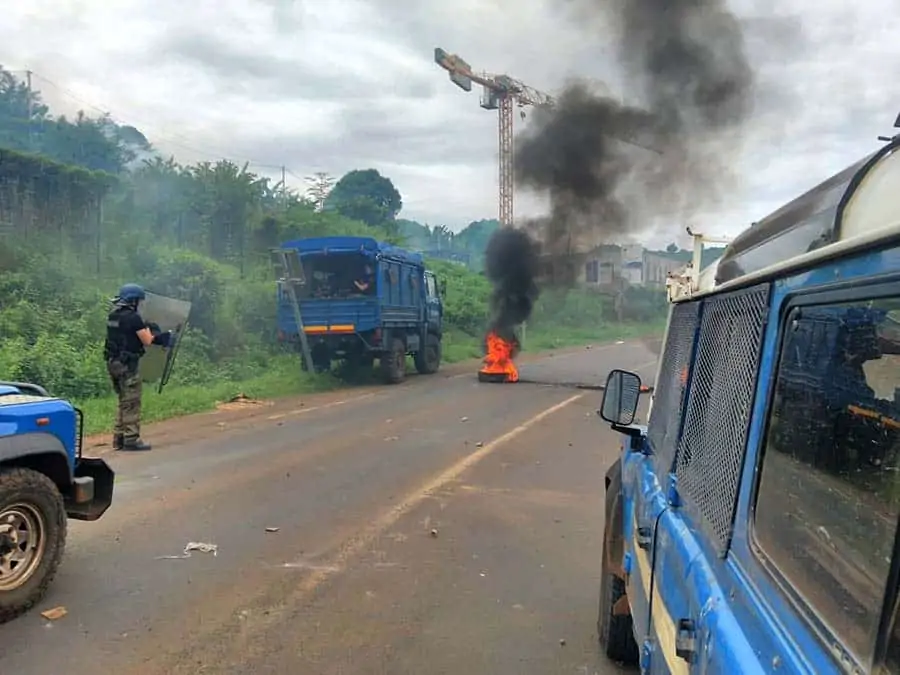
x=243 y=413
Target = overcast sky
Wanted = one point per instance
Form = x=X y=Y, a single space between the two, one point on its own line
x=333 y=85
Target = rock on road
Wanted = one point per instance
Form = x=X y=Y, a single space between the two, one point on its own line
x=438 y=526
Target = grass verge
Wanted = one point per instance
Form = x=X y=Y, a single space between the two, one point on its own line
x=285 y=378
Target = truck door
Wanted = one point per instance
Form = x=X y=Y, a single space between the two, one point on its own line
x=647 y=474
x=433 y=307
x=692 y=531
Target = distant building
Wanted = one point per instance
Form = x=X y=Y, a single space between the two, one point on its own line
x=610 y=265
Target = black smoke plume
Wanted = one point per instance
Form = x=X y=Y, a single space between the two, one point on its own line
x=511 y=265
x=610 y=169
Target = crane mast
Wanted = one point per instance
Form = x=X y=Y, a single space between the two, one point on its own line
x=500 y=93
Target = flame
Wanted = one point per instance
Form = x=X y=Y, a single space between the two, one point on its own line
x=498 y=360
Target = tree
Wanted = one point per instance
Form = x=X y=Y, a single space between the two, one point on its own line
x=367 y=196
x=413 y=235
x=320 y=185
x=21 y=113
x=474 y=237
x=672 y=248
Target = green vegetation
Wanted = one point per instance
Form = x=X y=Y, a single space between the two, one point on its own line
x=87 y=205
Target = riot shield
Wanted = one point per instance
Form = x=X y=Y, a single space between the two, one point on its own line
x=168 y=314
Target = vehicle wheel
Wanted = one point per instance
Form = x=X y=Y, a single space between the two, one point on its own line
x=428 y=359
x=32 y=539
x=616 y=631
x=393 y=362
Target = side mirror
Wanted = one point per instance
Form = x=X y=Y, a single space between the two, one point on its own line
x=620 y=397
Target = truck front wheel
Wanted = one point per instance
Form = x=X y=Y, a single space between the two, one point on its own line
x=32 y=539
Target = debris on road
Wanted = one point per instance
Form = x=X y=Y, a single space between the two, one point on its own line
x=200 y=546
x=55 y=613
x=272 y=529
x=479 y=444
x=434 y=533
x=562 y=643
x=463 y=419
x=238 y=402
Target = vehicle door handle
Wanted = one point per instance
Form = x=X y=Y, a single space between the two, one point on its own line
x=644 y=538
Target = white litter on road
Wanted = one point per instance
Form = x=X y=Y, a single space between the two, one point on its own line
x=192 y=546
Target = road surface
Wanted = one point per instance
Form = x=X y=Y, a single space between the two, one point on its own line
x=439 y=526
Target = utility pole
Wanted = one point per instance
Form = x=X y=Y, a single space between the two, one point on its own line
x=283 y=184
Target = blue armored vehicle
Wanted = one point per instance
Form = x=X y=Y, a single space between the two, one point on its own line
x=359 y=299
x=43 y=481
x=752 y=522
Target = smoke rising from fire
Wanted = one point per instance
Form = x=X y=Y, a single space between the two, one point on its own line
x=511 y=265
x=692 y=85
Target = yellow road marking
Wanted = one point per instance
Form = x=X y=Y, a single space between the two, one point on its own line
x=357 y=544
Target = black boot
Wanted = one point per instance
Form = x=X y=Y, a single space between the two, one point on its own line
x=118 y=441
x=134 y=445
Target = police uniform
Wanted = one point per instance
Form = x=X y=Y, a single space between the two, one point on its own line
x=123 y=351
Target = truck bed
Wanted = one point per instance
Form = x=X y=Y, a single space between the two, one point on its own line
x=343 y=314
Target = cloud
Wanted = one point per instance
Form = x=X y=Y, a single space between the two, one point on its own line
x=349 y=84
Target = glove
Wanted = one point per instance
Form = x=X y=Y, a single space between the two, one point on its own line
x=163 y=339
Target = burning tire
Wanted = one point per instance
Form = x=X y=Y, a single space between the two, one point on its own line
x=498 y=355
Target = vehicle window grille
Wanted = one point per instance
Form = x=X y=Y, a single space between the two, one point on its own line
x=668 y=397
x=720 y=399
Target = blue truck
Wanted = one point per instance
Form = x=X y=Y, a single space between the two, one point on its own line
x=752 y=522
x=43 y=481
x=360 y=299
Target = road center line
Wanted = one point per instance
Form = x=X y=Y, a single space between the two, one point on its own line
x=357 y=544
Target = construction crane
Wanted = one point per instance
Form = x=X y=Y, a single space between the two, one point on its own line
x=500 y=93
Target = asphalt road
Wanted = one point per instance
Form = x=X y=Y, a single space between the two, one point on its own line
x=439 y=526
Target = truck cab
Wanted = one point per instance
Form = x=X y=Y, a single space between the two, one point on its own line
x=44 y=479
x=752 y=522
x=358 y=299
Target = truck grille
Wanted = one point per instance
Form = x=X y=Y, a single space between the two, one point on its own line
x=79 y=433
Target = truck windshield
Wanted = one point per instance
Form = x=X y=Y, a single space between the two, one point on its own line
x=337 y=275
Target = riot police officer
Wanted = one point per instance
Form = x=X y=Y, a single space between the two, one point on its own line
x=127 y=335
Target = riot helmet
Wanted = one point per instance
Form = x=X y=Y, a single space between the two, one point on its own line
x=131 y=293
